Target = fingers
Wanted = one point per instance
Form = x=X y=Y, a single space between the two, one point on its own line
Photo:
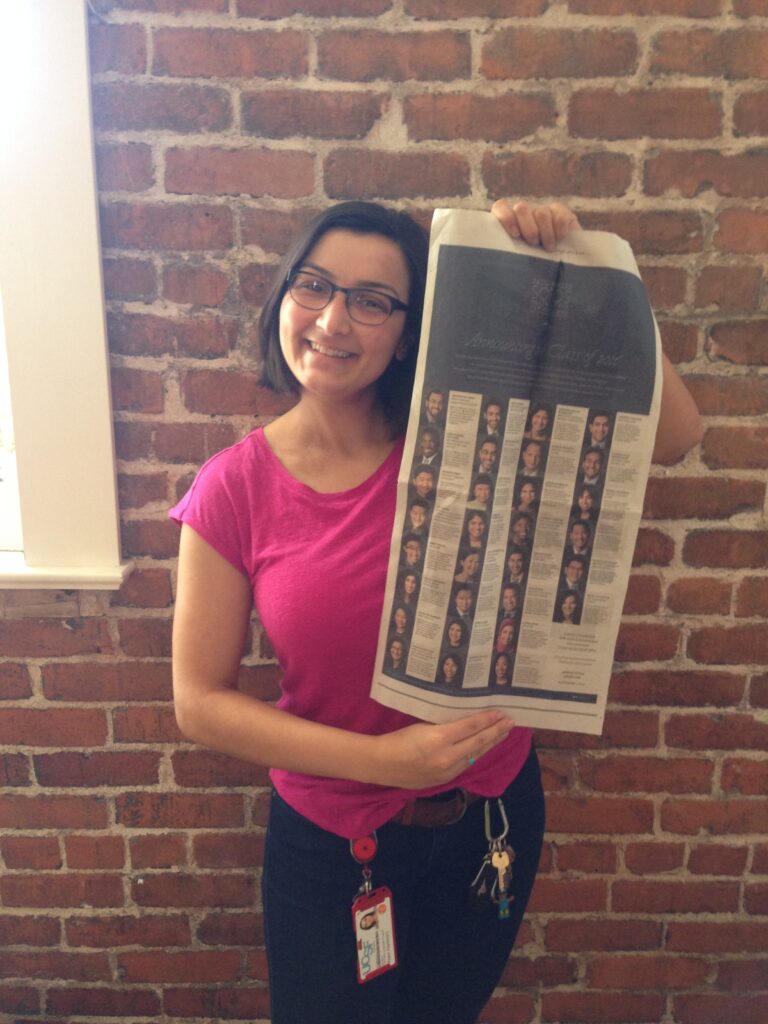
x=537 y=225
x=479 y=734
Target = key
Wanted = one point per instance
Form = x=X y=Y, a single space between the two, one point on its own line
x=500 y=860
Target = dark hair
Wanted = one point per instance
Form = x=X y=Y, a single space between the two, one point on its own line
x=394 y=387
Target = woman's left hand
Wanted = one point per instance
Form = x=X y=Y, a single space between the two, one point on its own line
x=537 y=225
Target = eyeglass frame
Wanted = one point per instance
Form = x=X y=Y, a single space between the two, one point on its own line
x=396 y=304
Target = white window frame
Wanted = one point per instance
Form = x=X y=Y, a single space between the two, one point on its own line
x=50 y=277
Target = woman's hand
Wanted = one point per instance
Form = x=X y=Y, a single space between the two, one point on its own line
x=537 y=225
x=425 y=755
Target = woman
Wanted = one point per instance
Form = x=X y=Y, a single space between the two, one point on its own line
x=568 y=609
x=538 y=423
x=526 y=497
x=395 y=662
x=475 y=526
x=451 y=670
x=456 y=635
x=501 y=670
x=468 y=565
x=311 y=497
x=408 y=589
x=505 y=637
x=586 y=507
x=401 y=622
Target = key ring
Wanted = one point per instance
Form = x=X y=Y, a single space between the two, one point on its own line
x=502 y=811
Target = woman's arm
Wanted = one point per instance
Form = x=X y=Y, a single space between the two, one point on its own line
x=210 y=627
x=680 y=427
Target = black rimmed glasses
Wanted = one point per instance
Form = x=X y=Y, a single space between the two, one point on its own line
x=364 y=305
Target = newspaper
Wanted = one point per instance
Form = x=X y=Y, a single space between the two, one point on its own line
x=521 y=488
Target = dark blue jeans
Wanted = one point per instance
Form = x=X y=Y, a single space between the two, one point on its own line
x=450 y=956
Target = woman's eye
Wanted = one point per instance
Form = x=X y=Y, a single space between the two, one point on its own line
x=311 y=284
x=370 y=300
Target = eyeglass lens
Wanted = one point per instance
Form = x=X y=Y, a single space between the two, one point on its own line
x=363 y=305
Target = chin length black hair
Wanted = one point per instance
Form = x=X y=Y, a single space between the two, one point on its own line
x=394 y=387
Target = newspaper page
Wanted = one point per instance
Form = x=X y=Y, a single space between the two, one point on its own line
x=521 y=488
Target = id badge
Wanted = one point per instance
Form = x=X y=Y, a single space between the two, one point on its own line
x=374 y=933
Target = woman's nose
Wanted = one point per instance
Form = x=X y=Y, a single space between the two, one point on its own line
x=334 y=318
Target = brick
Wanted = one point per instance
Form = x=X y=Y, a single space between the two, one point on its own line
x=742 y=231
x=721 y=646
x=643 y=595
x=136 y=390
x=26 y=930
x=285 y=174
x=203 y=285
x=669 y=113
x=738 y=447
x=717 y=937
x=752 y=597
x=750 y=114
x=553 y=173
x=370 y=174
x=690 y=173
x=697 y=595
x=189 y=965
x=624 y=774
x=144 y=588
x=750 y=8
x=727 y=549
x=678 y=688
x=94 y=853
x=652 y=858
x=120 y=48
x=150 y=538
x=130 y=106
x=575 y=935
x=759 y=691
x=15 y=683
x=713 y=859
x=179 y=810
x=223 y=53
x=273 y=230
x=707 y=817
x=582 y=895
x=364 y=55
x=200 y=768
x=18 y=999
x=124 y=168
x=702 y=497
x=598 y=858
x=642 y=8
x=171 y=227
x=641 y=642
x=741 y=342
x=177 y=890
x=658 y=233
x=658 y=971
x=238 y=929
x=229 y=851
x=58 y=889
x=14 y=770
x=178 y=442
x=97 y=768
x=129 y=279
x=740 y=775
x=153 y=851
x=316 y=8
x=121 y=682
x=282 y=113
x=714 y=1009
x=28 y=852
x=596 y=815
x=558 y=53
x=621 y=729
x=680 y=341
x=600 y=1007
x=742 y=977
x=729 y=396
x=467 y=115
x=688 y=897
x=519 y=973
x=41 y=638
x=729 y=287
x=58 y=812
x=260 y=681
x=738 y=53
x=475 y=8
x=256 y=279
x=53 y=727
x=238 y=1003
x=666 y=286
x=103 y=1002
x=135 y=490
x=222 y=392
x=146 y=638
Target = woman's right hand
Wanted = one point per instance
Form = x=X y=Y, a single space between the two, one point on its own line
x=424 y=755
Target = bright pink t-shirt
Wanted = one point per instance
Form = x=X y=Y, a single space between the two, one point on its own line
x=317 y=564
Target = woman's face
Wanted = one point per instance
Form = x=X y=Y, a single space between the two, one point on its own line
x=450 y=670
x=475 y=527
x=568 y=607
x=585 y=501
x=471 y=564
x=540 y=423
x=400 y=619
x=331 y=355
x=409 y=584
x=501 y=668
x=506 y=635
x=396 y=651
x=527 y=494
x=454 y=634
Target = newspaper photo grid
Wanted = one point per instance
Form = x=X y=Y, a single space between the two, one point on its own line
x=522 y=481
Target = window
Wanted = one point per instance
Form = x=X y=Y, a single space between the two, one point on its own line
x=50 y=280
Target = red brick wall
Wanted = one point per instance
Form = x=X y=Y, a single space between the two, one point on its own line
x=129 y=890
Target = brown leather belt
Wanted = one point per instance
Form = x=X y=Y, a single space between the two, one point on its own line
x=435 y=811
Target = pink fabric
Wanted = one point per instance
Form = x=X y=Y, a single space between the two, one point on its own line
x=317 y=565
